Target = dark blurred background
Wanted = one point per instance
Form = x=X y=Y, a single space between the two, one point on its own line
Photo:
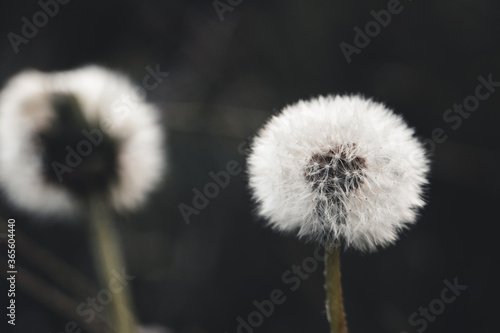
x=226 y=78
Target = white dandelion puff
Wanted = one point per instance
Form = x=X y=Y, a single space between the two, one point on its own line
x=81 y=141
x=338 y=169
x=62 y=133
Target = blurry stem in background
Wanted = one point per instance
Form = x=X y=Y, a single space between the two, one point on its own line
x=68 y=277
x=333 y=286
x=108 y=259
x=52 y=298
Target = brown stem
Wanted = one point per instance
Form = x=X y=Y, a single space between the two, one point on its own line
x=333 y=286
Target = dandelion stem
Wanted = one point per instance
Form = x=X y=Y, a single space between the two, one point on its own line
x=109 y=261
x=333 y=286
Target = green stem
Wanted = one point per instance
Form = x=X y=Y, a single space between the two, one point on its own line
x=109 y=263
x=333 y=286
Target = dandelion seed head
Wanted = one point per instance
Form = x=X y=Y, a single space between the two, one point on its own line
x=338 y=169
x=42 y=115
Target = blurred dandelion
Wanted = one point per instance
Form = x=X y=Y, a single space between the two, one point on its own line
x=340 y=170
x=61 y=138
x=64 y=149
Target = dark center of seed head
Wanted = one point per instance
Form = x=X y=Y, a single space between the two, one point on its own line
x=77 y=155
x=336 y=172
